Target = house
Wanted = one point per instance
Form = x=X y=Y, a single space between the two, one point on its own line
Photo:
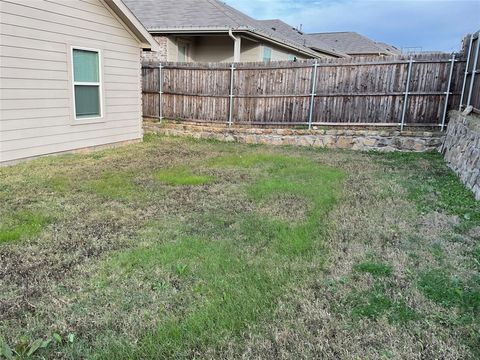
x=354 y=44
x=211 y=31
x=70 y=76
x=317 y=45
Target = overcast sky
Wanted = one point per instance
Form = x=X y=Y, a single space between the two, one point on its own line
x=429 y=24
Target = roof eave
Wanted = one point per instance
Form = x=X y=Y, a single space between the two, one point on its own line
x=214 y=30
x=285 y=45
x=329 y=52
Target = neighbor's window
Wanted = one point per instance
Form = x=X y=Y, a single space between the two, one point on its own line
x=267 y=54
x=182 y=52
x=86 y=83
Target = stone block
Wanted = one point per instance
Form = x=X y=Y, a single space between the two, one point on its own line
x=369 y=142
x=344 y=142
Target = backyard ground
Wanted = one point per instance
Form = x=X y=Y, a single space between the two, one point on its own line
x=175 y=249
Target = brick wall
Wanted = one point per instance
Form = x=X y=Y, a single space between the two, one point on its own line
x=161 y=54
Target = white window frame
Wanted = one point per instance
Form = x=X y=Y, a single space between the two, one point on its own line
x=99 y=84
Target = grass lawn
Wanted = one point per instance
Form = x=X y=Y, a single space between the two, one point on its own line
x=182 y=249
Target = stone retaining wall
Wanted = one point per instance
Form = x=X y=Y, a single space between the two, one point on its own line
x=356 y=139
x=461 y=149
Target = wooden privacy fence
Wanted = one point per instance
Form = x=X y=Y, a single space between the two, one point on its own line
x=391 y=91
x=471 y=82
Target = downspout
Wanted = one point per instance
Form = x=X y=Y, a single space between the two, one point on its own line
x=236 y=47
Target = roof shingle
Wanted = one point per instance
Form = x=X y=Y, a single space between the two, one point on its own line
x=353 y=43
x=294 y=35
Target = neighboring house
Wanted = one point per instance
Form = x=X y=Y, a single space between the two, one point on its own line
x=289 y=32
x=354 y=44
x=211 y=31
x=69 y=76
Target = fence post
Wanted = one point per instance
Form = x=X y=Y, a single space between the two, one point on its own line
x=447 y=94
x=470 y=43
x=312 y=95
x=407 y=89
x=231 y=96
x=160 y=91
x=474 y=70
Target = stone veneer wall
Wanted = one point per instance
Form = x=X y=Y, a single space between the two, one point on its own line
x=355 y=139
x=461 y=149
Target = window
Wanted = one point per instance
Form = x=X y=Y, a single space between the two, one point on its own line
x=182 y=52
x=87 y=83
x=267 y=54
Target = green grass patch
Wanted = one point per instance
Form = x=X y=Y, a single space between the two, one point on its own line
x=437 y=251
x=376 y=269
x=60 y=184
x=375 y=303
x=442 y=288
x=433 y=186
x=371 y=304
x=22 y=224
x=182 y=177
x=401 y=313
x=225 y=293
x=462 y=295
x=302 y=177
x=114 y=186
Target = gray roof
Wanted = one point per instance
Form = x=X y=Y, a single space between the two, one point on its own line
x=353 y=43
x=294 y=35
x=161 y=14
x=206 y=15
x=283 y=29
x=390 y=48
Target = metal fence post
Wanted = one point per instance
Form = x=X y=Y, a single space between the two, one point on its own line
x=160 y=91
x=231 y=96
x=312 y=95
x=447 y=94
x=470 y=43
x=474 y=70
x=407 y=89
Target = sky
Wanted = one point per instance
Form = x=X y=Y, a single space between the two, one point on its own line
x=427 y=24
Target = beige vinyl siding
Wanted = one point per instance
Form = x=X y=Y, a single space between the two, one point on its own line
x=36 y=96
x=219 y=48
x=172 y=49
x=213 y=49
x=280 y=54
x=251 y=51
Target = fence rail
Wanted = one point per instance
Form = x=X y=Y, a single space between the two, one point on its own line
x=393 y=91
x=471 y=81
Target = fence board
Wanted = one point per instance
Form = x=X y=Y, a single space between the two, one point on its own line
x=368 y=90
x=471 y=76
